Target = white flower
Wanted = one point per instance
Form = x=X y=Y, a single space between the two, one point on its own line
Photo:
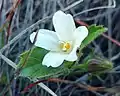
x=63 y=43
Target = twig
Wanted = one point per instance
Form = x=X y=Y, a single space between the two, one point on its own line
x=80 y=85
x=1 y=6
x=12 y=64
x=111 y=39
x=72 y=5
x=42 y=85
x=10 y=17
x=97 y=8
x=115 y=57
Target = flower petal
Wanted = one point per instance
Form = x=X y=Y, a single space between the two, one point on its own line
x=72 y=56
x=46 y=39
x=64 y=25
x=80 y=34
x=53 y=59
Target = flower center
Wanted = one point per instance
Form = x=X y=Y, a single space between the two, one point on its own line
x=65 y=46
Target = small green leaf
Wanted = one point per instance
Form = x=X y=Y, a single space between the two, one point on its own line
x=94 y=32
x=34 y=68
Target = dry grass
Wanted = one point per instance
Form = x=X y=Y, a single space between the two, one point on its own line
x=31 y=15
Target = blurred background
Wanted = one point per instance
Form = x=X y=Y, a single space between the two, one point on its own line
x=30 y=15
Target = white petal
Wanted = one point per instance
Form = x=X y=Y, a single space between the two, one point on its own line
x=53 y=59
x=46 y=39
x=80 y=34
x=72 y=56
x=64 y=25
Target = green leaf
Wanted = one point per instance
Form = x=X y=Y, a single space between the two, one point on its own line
x=94 y=32
x=34 y=68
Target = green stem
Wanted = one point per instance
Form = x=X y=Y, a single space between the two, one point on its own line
x=81 y=67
